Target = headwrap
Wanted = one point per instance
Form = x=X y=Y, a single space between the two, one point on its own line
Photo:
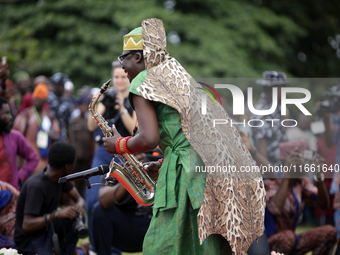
x=134 y=40
x=41 y=91
x=234 y=203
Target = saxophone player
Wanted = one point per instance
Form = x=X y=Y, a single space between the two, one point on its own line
x=185 y=209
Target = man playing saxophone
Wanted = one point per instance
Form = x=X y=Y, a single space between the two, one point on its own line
x=185 y=209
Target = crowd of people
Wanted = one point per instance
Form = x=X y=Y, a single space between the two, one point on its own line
x=46 y=132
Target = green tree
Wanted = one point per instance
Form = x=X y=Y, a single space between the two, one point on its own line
x=210 y=38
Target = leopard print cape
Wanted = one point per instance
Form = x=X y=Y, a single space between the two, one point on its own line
x=234 y=202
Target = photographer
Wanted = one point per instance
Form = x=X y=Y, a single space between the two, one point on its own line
x=115 y=109
x=286 y=199
x=38 y=222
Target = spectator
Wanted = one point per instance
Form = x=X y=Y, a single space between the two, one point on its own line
x=37 y=126
x=285 y=202
x=37 y=215
x=119 y=221
x=115 y=109
x=13 y=144
x=24 y=97
x=61 y=107
x=302 y=131
x=268 y=136
x=82 y=139
x=8 y=204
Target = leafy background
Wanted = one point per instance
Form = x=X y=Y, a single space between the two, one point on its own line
x=234 y=39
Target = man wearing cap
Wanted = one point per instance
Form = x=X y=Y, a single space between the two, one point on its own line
x=37 y=126
x=61 y=107
x=272 y=133
x=207 y=215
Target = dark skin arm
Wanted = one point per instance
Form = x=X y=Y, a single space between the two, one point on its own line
x=32 y=223
x=323 y=196
x=261 y=144
x=260 y=160
x=148 y=136
x=295 y=158
x=328 y=135
x=106 y=195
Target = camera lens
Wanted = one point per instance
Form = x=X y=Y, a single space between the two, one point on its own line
x=79 y=227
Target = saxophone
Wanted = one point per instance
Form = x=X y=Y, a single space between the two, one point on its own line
x=131 y=173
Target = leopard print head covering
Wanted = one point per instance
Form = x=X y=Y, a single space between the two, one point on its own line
x=234 y=202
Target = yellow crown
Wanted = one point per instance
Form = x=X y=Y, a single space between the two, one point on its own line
x=134 y=40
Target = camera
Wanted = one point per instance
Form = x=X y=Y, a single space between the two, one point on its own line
x=79 y=227
x=308 y=155
x=331 y=104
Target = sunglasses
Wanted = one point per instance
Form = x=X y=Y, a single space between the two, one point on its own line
x=122 y=57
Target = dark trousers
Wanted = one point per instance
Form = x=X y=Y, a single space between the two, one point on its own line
x=113 y=227
x=261 y=247
x=43 y=244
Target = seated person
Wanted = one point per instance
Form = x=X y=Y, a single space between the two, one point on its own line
x=286 y=198
x=118 y=221
x=8 y=204
x=37 y=215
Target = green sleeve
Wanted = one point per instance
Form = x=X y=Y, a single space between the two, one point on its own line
x=136 y=82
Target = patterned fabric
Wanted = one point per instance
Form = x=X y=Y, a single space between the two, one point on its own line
x=174 y=187
x=273 y=133
x=280 y=225
x=301 y=193
x=61 y=108
x=134 y=40
x=233 y=204
x=7 y=214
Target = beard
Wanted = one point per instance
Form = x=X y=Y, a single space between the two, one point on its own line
x=5 y=127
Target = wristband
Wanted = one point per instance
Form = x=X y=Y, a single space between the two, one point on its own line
x=161 y=160
x=46 y=223
x=117 y=145
x=125 y=145
x=123 y=112
x=121 y=146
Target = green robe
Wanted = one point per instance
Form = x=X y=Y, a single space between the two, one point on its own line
x=178 y=197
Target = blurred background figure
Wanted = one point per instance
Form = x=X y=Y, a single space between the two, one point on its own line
x=115 y=109
x=286 y=198
x=268 y=136
x=69 y=91
x=81 y=137
x=61 y=107
x=24 y=97
x=302 y=131
x=36 y=124
x=13 y=144
x=8 y=204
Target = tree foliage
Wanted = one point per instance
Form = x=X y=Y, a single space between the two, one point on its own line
x=209 y=38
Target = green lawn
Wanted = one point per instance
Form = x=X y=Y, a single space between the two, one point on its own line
x=299 y=230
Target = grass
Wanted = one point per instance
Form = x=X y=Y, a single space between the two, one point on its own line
x=299 y=229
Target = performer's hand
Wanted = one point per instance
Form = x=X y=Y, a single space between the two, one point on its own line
x=152 y=169
x=110 y=142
